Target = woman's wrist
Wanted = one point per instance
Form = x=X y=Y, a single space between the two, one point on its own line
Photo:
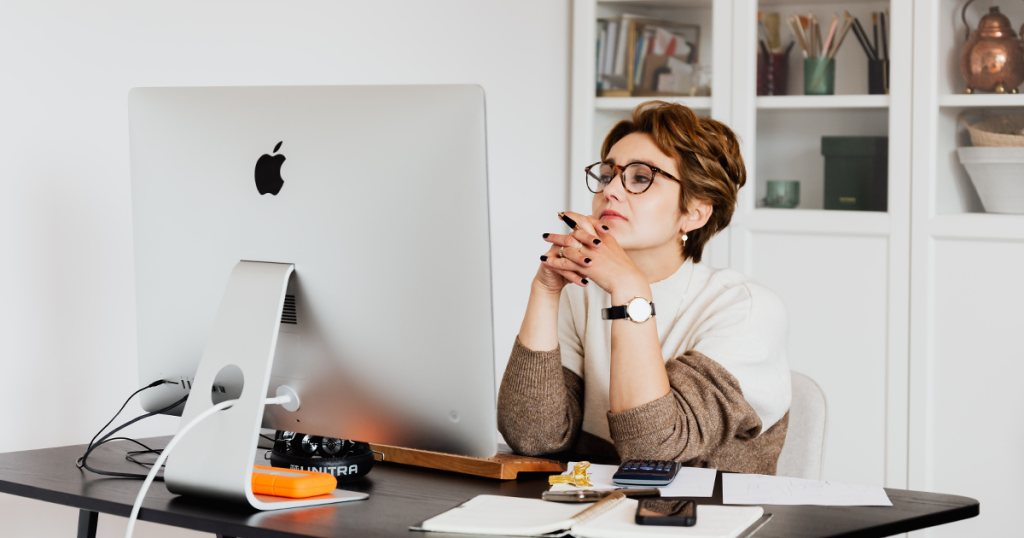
x=539 y=331
x=626 y=289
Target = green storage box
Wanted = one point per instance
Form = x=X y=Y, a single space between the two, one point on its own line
x=856 y=172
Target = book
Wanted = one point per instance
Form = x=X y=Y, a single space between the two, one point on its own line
x=609 y=59
x=611 y=517
x=621 y=48
x=602 y=51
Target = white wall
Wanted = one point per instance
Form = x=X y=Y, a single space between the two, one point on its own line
x=67 y=322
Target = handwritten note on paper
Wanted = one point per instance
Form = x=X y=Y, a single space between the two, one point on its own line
x=761 y=489
x=689 y=481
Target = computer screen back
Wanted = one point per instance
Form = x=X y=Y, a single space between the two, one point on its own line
x=381 y=204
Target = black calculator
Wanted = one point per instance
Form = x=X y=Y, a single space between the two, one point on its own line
x=645 y=473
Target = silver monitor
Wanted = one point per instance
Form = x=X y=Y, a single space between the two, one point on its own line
x=378 y=195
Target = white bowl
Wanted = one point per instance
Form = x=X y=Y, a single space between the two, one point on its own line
x=998 y=175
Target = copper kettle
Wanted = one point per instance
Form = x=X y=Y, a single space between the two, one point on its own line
x=993 y=58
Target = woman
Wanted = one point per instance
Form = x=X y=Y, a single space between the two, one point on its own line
x=701 y=376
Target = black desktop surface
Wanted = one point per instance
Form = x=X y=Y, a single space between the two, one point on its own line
x=400 y=496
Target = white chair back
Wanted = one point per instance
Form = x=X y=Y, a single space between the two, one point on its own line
x=804 y=451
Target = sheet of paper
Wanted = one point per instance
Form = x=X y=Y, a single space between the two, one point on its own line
x=761 y=489
x=689 y=482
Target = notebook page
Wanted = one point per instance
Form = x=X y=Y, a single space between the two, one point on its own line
x=761 y=489
x=510 y=516
x=712 y=522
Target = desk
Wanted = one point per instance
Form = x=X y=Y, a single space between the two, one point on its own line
x=399 y=497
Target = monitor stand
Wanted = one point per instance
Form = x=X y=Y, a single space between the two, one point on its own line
x=215 y=459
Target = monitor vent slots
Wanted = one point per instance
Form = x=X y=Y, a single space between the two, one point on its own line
x=288 y=314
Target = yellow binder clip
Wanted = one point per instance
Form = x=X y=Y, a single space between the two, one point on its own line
x=579 y=476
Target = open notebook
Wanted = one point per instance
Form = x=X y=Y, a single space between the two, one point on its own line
x=611 y=517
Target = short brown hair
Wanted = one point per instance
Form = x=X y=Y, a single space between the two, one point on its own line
x=707 y=156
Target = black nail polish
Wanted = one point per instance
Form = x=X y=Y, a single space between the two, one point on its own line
x=597 y=241
x=546 y=236
x=543 y=258
x=586 y=260
x=603 y=227
x=585 y=282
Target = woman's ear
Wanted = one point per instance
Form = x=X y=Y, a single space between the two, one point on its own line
x=698 y=216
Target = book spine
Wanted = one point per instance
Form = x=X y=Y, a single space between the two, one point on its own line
x=609 y=60
x=621 y=45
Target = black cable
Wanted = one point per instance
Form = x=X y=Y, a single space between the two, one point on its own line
x=105 y=426
x=83 y=461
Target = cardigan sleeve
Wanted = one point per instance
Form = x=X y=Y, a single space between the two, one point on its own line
x=540 y=402
x=703 y=411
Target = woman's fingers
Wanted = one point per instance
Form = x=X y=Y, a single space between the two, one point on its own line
x=575 y=278
x=582 y=222
x=599 y=227
x=573 y=241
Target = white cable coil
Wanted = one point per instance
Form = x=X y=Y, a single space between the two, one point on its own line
x=280 y=400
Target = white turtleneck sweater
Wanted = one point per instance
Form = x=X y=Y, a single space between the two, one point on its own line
x=720 y=313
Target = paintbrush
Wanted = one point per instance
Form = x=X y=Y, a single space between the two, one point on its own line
x=842 y=35
x=794 y=24
x=831 y=34
x=885 y=42
x=771 y=22
x=874 y=29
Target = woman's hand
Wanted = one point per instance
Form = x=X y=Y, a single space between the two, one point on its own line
x=591 y=253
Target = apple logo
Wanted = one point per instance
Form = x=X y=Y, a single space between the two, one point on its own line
x=268 y=172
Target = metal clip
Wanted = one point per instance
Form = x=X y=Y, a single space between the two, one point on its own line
x=579 y=476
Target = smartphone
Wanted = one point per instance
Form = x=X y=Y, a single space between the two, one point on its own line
x=671 y=511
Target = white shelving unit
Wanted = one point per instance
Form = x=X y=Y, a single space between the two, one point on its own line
x=966 y=297
x=821 y=102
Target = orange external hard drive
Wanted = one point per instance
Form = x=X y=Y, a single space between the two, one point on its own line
x=291 y=483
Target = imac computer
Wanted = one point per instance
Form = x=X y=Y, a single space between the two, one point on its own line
x=366 y=209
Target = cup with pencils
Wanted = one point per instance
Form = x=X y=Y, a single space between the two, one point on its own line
x=819 y=54
x=772 y=57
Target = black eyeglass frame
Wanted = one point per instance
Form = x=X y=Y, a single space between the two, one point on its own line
x=618 y=171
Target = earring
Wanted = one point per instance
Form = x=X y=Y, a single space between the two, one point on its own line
x=684 y=239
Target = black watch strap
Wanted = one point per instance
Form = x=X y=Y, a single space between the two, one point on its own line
x=619 y=312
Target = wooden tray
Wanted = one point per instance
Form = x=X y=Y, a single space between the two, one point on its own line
x=502 y=466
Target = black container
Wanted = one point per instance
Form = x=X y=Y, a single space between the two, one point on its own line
x=878 y=77
x=856 y=172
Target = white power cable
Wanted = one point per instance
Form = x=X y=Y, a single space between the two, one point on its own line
x=280 y=400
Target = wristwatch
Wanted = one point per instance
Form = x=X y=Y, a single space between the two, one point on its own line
x=637 y=310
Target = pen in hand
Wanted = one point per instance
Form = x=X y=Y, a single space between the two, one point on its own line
x=565 y=218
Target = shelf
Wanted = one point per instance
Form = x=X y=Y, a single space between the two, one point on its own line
x=981 y=100
x=818 y=221
x=658 y=3
x=629 y=103
x=983 y=226
x=778 y=102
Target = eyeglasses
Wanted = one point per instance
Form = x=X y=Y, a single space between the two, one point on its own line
x=636 y=177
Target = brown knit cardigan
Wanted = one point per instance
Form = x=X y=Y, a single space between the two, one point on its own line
x=704 y=421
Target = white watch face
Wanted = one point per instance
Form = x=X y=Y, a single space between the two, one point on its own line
x=639 y=309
